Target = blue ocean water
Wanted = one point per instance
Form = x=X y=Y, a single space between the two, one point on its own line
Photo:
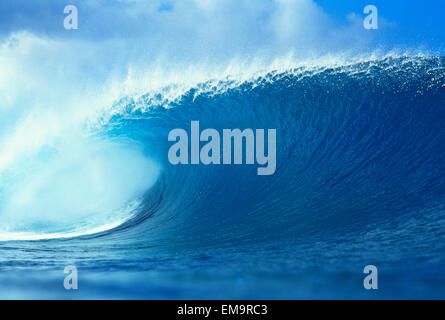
x=360 y=180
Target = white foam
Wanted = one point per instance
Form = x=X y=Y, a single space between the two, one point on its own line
x=29 y=236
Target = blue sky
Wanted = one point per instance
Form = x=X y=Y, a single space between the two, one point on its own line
x=409 y=23
x=415 y=23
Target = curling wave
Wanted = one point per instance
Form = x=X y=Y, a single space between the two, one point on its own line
x=357 y=145
x=360 y=179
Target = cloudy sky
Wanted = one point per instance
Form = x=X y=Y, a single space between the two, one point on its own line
x=403 y=22
x=168 y=40
x=155 y=42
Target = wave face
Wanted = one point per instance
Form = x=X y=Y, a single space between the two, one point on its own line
x=360 y=180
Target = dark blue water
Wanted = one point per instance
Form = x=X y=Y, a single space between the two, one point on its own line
x=360 y=180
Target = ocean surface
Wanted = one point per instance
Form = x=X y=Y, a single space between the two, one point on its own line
x=360 y=180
